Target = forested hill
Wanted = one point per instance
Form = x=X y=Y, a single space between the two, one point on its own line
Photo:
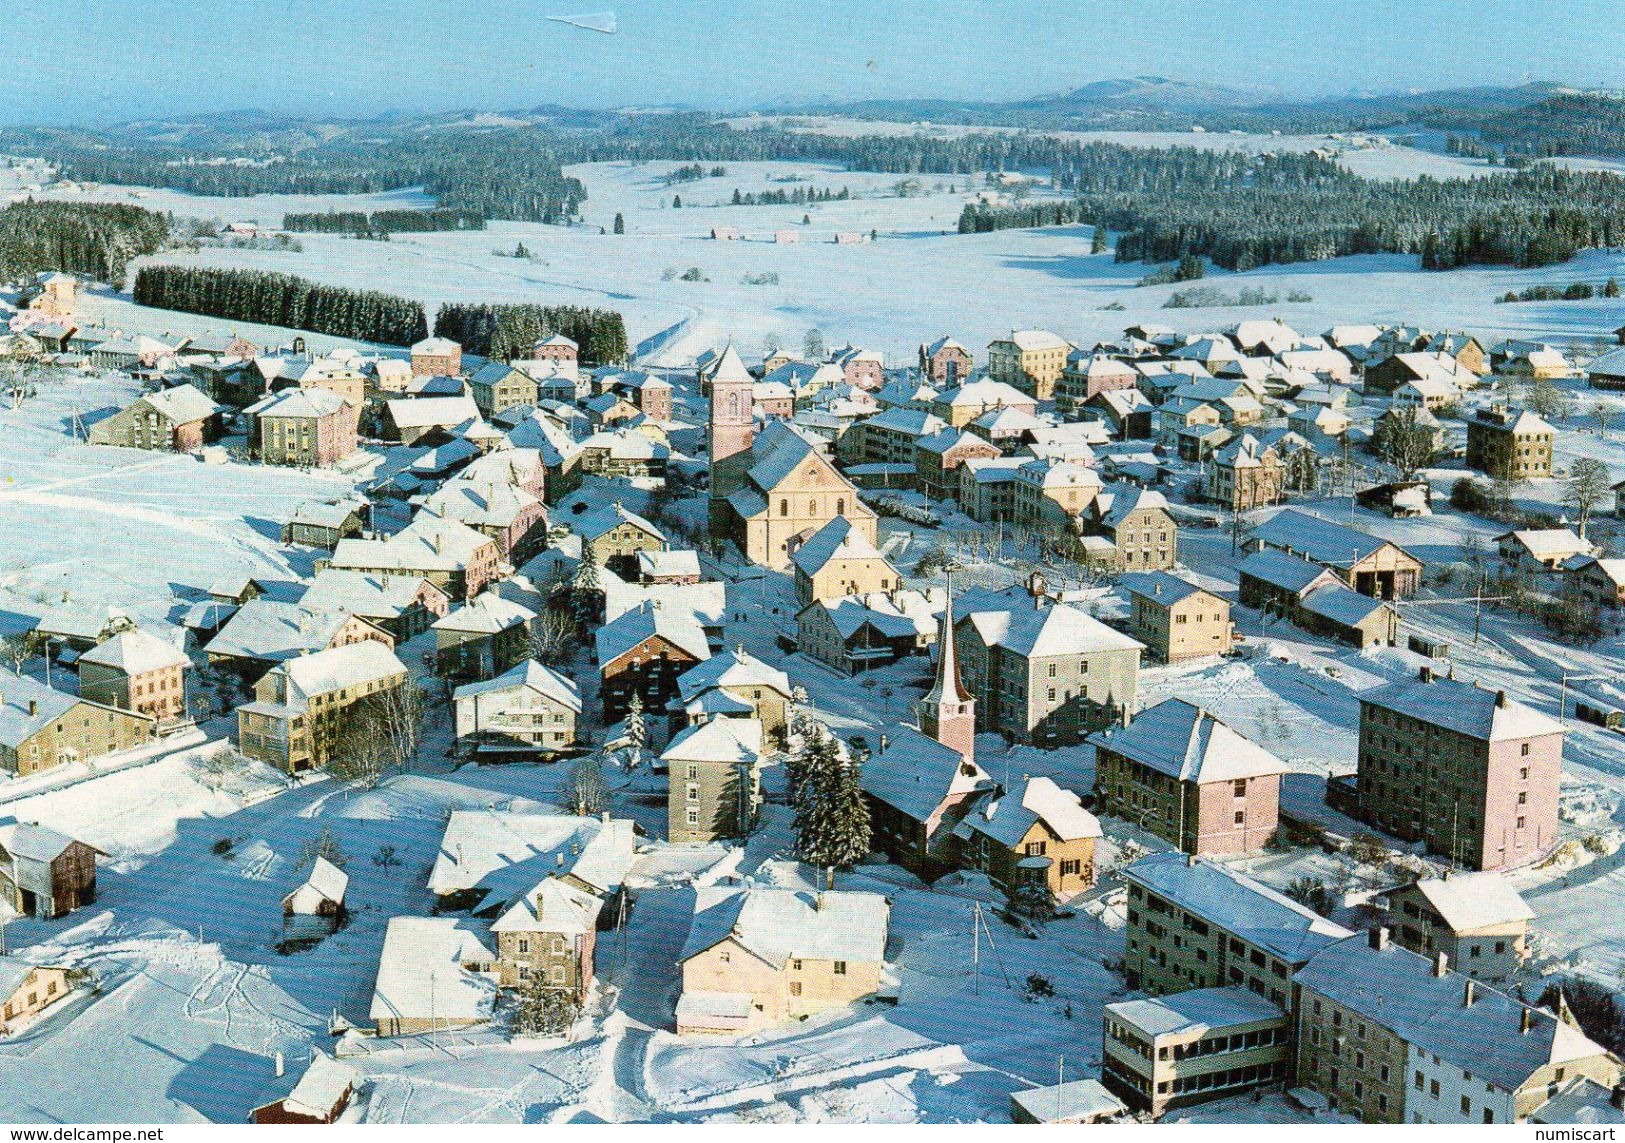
x=1569 y=124
x=94 y=239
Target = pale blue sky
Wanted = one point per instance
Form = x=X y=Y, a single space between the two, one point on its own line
x=97 y=60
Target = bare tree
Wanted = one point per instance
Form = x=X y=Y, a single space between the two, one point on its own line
x=586 y=793
x=1406 y=443
x=1589 y=486
x=1545 y=399
x=378 y=735
x=1603 y=413
x=18 y=648
x=552 y=635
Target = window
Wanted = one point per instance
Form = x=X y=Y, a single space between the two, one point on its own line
x=1240 y=787
x=795 y=988
x=1241 y=816
x=524 y=945
x=1524 y=750
x=840 y=968
x=795 y=964
x=1466 y=1105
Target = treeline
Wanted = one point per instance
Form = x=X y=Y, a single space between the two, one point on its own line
x=281 y=299
x=1573 y=124
x=382 y=221
x=1244 y=211
x=90 y=238
x=692 y=173
x=795 y=196
x=507 y=332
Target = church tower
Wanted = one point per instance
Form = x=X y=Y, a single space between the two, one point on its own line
x=948 y=711
x=733 y=425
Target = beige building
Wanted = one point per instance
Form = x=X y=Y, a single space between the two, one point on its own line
x=1175 y=619
x=136 y=671
x=1038 y=831
x=1245 y=474
x=548 y=936
x=1042 y=672
x=1137 y=524
x=497 y=387
x=1029 y=359
x=41 y=727
x=27 y=989
x=1191 y=1047
x=839 y=560
x=758 y=957
x=714 y=780
x=530 y=707
x=734 y=684
x=300 y=706
x=1506 y=443
x=1478 y=920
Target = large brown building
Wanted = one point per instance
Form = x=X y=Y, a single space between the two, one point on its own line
x=41 y=727
x=644 y=652
x=1368 y=564
x=300 y=706
x=1245 y=474
x=1029 y=359
x=1185 y=776
x=44 y=873
x=181 y=419
x=548 y=937
x=1510 y=444
x=310 y=428
x=136 y=671
x=945 y=362
x=1469 y=772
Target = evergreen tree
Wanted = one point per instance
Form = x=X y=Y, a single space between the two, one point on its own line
x=1610 y=288
x=1097 y=244
x=620 y=223
x=676 y=201
x=832 y=818
x=637 y=730
x=586 y=594
x=812 y=345
x=544 y=1009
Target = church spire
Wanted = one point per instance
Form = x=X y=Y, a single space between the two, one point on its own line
x=948 y=711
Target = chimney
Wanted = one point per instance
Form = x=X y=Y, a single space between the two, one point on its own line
x=33 y=708
x=1190 y=861
x=1426 y=674
x=1469 y=992
x=281 y=1066
x=1616 y=1098
x=1526 y=1021
x=1378 y=937
x=1441 y=962
x=1501 y=699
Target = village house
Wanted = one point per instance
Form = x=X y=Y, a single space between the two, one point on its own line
x=1190 y=1047
x=713 y=784
x=1052 y=494
x=437 y=357
x=265 y=632
x=323 y=523
x=512 y=517
x=858 y=633
x=483 y=638
x=425 y=420
x=1598 y=582
x=136 y=671
x=435 y=974
x=1389 y=1036
x=1368 y=564
x=1194 y=923
x=301 y=706
x=320 y=1096
x=945 y=362
x=757 y=957
x=1187 y=777
x=1075 y=1101
x=1469 y=772
x=1030 y=360
x=1384 y=377
x=28 y=989
x=1037 y=833
x=1087 y=374
x=1127 y=413
x=863 y=368
x=936 y=457
x=181 y=419
x=402 y=606
x=497 y=387
x=309 y=428
x=549 y=936
x=528 y=708
x=734 y=684
x=1536 y=551
x=1043 y=673
x=316 y=907
x=1137 y=522
x=1478 y=920
x=839 y=560
x=678 y=568
x=489 y=859
x=1509 y=444
x=454 y=557
x=644 y=652
x=615 y=537
x=1245 y=474
x=58 y=295
x=772 y=489
x=1467 y=350
x=1174 y=618
x=889 y=436
x=963 y=404
x=1314 y=598
x=41 y=727
x=44 y=873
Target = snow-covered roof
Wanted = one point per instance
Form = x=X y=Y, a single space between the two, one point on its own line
x=183 y=404
x=1028 y=340
x=428 y=412
x=681 y=563
x=27 y=706
x=1196 y=1012
x=436 y=345
x=33 y=841
x=1236 y=903
x=984 y=393
x=836 y=540
x=677 y=626
x=340 y=667
x=777 y=924
x=735 y=668
x=1161 y=587
x=1071 y=1102
x=370 y=595
x=270 y=629
x=14 y=973
x=729 y=741
x=1013 y=621
x=1006 y=818
x=591 y=525
x=135 y=652
x=914 y=773
x=1584 y=1100
x=529 y=675
x=1281 y=570
x=322 y=1087
x=326 y=881
x=421 y=973
x=1322 y=541
x=551 y=906
x=1545 y=543
x=1184 y=741
x=1462 y=707
x=297 y=403
x=1470 y=901
x=1397 y=989
x=486 y=614
x=1340 y=604
x=505 y=854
